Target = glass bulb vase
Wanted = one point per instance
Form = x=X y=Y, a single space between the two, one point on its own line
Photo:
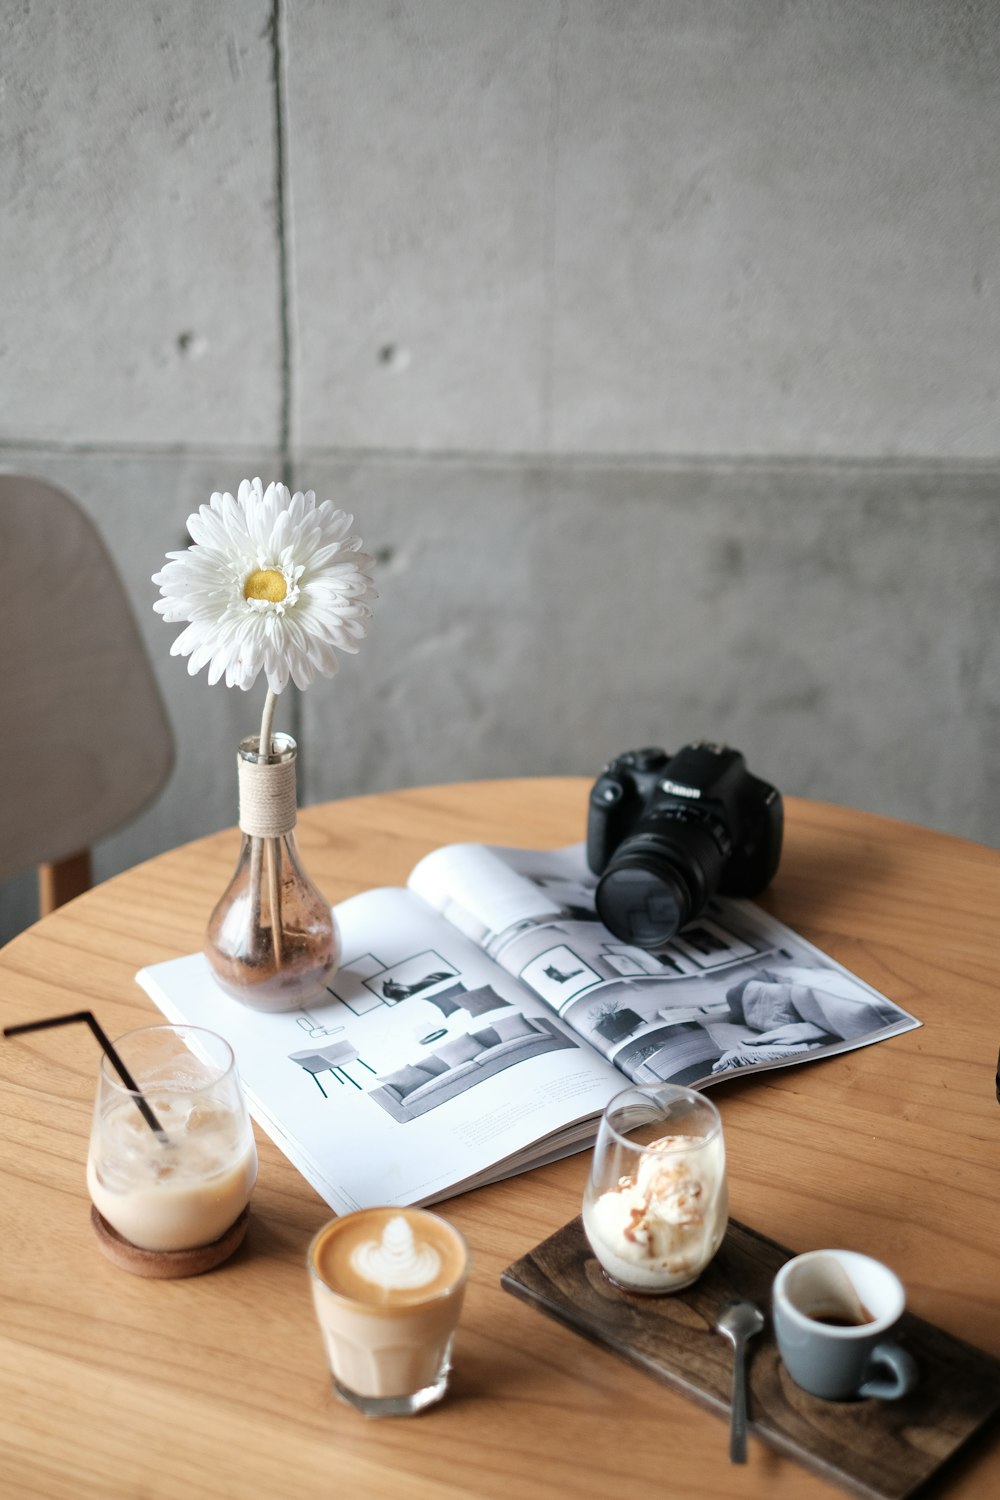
x=272 y=939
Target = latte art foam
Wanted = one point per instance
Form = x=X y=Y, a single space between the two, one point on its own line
x=390 y=1258
x=396 y=1261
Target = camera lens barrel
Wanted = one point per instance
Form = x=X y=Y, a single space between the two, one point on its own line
x=641 y=901
x=658 y=879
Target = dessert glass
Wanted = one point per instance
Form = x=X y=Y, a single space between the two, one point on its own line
x=184 y=1187
x=655 y=1207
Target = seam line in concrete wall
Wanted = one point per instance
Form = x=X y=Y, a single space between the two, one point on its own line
x=292 y=705
x=666 y=463
x=280 y=225
x=547 y=392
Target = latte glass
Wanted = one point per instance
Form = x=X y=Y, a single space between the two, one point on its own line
x=655 y=1207
x=185 y=1187
x=388 y=1285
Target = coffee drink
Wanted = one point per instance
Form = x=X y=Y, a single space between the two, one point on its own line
x=182 y=1185
x=388 y=1285
x=838 y=1319
x=177 y=1195
x=835 y=1316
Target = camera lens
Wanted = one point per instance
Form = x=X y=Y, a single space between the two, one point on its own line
x=659 y=879
x=642 y=901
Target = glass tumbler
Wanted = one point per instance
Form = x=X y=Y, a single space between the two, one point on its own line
x=655 y=1207
x=185 y=1185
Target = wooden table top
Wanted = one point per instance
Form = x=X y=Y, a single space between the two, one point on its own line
x=112 y=1386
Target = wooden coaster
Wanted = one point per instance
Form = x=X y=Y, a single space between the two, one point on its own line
x=883 y=1450
x=167 y=1264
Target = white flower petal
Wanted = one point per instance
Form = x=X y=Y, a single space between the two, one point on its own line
x=328 y=599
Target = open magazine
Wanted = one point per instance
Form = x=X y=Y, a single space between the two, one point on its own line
x=483 y=1017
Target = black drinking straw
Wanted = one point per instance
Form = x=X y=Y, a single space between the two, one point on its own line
x=91 y=1020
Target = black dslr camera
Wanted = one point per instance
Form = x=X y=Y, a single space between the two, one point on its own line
x=665 y=832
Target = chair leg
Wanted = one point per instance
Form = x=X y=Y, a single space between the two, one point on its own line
x=60 y=882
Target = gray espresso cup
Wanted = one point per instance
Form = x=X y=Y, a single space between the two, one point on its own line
x=833 y=1313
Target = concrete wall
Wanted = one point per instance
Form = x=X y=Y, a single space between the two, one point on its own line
x=653 y=343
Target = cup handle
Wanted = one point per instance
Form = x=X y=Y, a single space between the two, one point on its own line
x=901 y=1368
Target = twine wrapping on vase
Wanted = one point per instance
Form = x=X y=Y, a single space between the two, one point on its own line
x=267 y=797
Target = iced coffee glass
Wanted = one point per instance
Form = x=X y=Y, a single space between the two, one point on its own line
x=387 y=1287
x=185 y=1185
x=655 y=1207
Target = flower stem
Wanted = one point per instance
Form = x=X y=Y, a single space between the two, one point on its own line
x=270 y=704
x=264 y=748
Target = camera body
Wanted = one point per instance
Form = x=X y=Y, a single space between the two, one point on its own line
x=666 y=832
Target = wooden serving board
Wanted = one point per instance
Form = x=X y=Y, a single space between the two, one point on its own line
x=879 y=1449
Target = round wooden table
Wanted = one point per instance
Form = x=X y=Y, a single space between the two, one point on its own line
x=113 y=1386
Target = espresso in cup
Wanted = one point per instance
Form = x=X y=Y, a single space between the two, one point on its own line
x=838 y=1318
x=388 y=1285
x=834 y=1312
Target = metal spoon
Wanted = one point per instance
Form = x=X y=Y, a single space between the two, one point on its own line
x=739 y=1321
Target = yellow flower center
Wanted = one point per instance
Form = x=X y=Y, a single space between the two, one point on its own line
x=266 y=583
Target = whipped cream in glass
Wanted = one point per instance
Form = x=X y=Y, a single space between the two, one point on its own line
x=655 y=1209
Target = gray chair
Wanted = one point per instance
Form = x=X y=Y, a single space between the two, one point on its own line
x=88 y=743
x=331 y=1059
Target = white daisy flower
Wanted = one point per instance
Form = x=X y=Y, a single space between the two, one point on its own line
x=273 y=583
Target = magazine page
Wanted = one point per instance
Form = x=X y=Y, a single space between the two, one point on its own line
x=735 y=989
x=425 y=1070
